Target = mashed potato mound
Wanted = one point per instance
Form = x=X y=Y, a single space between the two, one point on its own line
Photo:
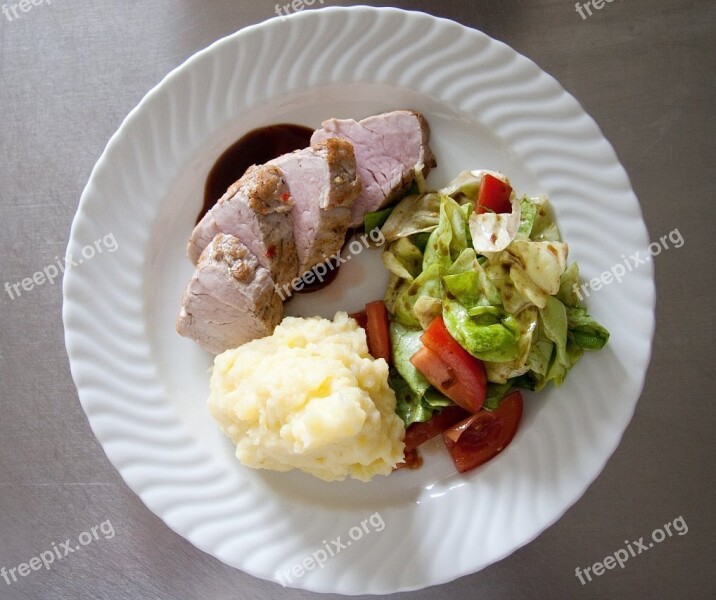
x=309 y=397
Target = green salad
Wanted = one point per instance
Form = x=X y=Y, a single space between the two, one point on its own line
x=491 y=268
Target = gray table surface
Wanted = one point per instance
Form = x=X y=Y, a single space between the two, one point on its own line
x=70 y=71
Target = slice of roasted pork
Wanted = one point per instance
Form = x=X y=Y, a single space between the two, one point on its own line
x=231 y=298
x=388 y=148
x=257 y=210
x=323 y=183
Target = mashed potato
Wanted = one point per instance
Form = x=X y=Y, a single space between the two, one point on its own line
x=309 y=397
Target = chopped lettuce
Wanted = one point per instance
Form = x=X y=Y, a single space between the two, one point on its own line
x=377 y=218
x=465 y=186
x=501 y=282
x=496 y=340
x=413 y=214
x=404 y=343
x=540 y=354
x=403 y=258
x=585 y=331
x=435 y=399
x=403 y=296
x=426 y=309
x=410 y=407
x=493 y=232
x=544 y=227
x=495 y=393
x=533 y=268
x=554 y=325
x=501 y=372
x=416 y=399
x=528 y=212
x=568 y=286
x=449 y=239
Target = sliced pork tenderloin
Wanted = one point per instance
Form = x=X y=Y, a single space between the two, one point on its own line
x=388 y=148
x=230 y=300
x=257 y=210
x=323 y=184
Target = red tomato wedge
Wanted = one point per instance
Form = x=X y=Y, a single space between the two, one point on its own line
x=378 y=330
x=361 y=317
x=451 y=368
x=419 y=433
x=483 y=436
x=494 y=196
x=411 y=460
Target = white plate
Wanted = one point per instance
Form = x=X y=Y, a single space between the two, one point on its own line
x=144 y=388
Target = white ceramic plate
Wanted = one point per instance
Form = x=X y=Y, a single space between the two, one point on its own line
x=144 y=388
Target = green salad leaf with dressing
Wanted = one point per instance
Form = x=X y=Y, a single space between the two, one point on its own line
x=499 y=277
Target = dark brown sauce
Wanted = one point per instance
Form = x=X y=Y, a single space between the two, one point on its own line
x=311 y=283
x=255 y=148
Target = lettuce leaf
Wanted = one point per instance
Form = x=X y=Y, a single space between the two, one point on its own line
x=401 y=296
x=426 y=309
x=449 y=239
x=533 y=268
x=467 y=280
x=585 y=331
x=465 y=186
x=496 y=341
x=554 y=324
x=404 y=343
x=403 y=258
x=410 y=407
x=495 y=393
x=413 y=214
x=498 y=273
x=544 y=227
x=501 y=372
x=493 y=232
x=540 y=355
x=464 y=287
x=568 y=284
x=528 y=210
x=435 y=399
x=376 y=218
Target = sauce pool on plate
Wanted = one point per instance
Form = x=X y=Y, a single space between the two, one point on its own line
x=255 y=148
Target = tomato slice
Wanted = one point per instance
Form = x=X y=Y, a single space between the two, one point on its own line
x=419 y=433
x=411 y=460
x=494 y=195
x=451 y=368
x=483 y=436
x=378 y=330
x=361 y=318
